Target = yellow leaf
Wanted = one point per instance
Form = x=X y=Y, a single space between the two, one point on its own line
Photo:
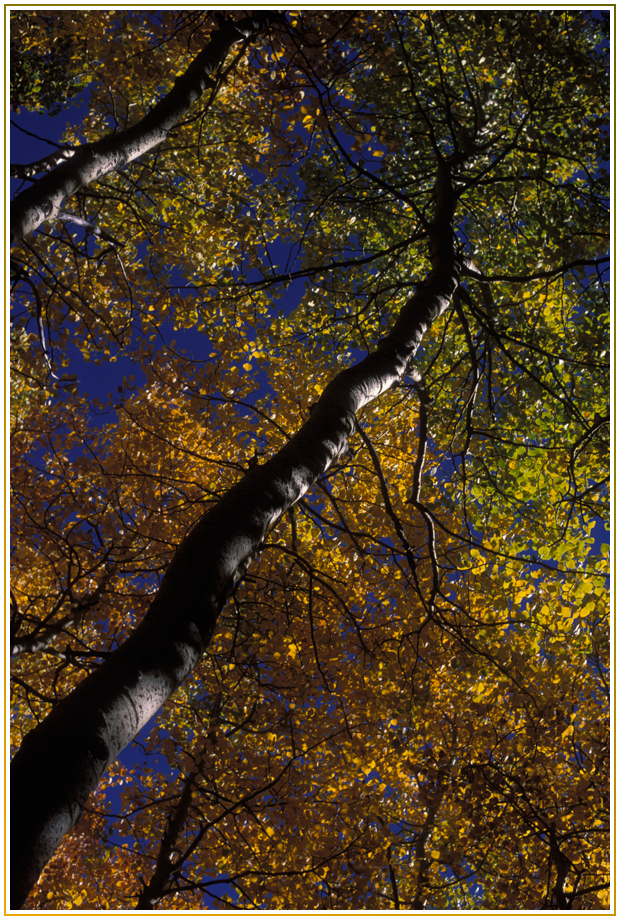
x=247 y=367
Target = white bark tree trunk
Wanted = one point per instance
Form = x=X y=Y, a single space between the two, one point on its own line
x=62 y=760
x=43 y=200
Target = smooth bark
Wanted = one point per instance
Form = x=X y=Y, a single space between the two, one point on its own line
x=45 y=164
x=62 y=760
x=89 y=162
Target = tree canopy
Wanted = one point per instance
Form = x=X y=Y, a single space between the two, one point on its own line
x=331 y=548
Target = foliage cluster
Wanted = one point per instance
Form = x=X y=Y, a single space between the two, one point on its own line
x=47 y=57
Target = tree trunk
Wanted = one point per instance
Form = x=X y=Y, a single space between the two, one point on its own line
x=43 y=200
x=62 y=760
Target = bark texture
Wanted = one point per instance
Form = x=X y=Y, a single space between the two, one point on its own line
x=62 y=760
x=89 y=162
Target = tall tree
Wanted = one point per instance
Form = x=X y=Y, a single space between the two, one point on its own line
x=380 y=649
